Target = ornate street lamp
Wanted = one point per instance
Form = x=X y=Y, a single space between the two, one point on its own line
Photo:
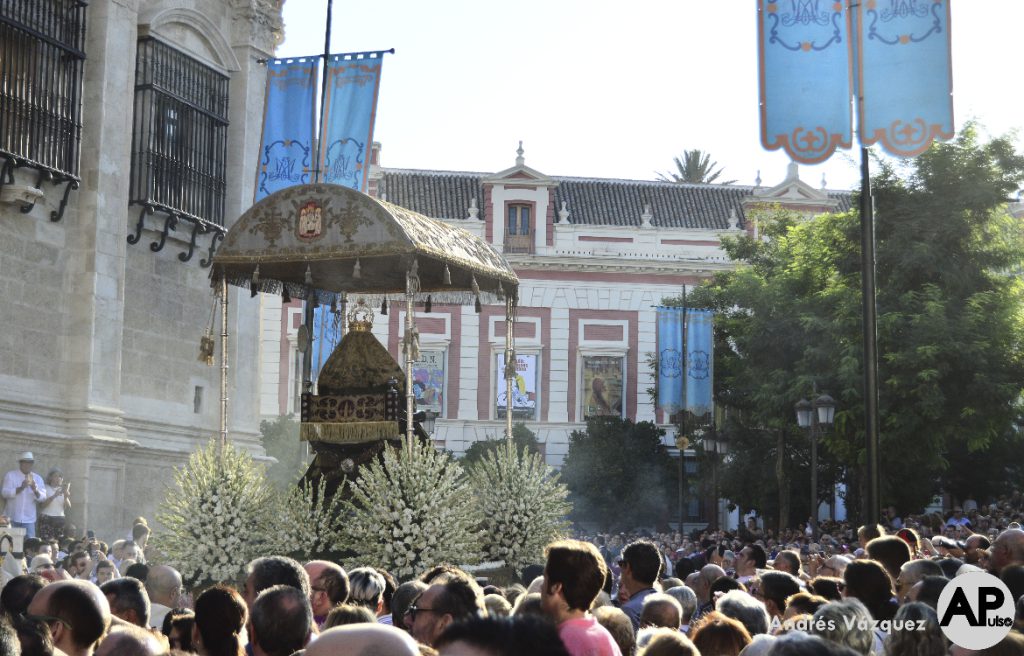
x=814 y=416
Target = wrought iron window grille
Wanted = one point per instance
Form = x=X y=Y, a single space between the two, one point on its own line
x=41 y=66
x=179 y=145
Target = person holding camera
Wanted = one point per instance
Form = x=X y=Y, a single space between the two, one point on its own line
x=23 y=489
x=53 y=506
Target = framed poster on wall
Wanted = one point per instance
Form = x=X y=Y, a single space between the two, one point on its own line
x=524 y=387
x=428 y=381
x=602 y=383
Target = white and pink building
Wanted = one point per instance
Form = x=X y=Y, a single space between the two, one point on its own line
x=594 y=257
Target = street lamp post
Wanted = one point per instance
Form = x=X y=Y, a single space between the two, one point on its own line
x=813 y=416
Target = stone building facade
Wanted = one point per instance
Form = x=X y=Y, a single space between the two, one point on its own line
x=126 y=122
x=594 y=257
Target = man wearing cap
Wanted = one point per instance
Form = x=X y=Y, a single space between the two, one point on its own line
x=23 y=489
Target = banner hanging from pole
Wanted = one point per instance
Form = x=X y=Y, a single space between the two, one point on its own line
x=805 y=79
x=700 y=361
x=353 y=82
x=289 y=121
x=670 y=359
x=815 y=56
x=904 y=83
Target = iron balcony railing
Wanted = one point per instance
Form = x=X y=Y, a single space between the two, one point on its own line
x=41 y=64
x=180 y=134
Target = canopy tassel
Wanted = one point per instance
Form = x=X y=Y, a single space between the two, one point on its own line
x=309 y=275
x=206 y=343
x=447 y=275
x=357 y=271
x=477 y=306
x=285 y=296
x=428 y=306
x=255 y=284
x=384 y=308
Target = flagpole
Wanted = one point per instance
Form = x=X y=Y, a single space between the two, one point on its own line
x=867 y=258
x=308 y=310
x=323 y=91
x=682 y=429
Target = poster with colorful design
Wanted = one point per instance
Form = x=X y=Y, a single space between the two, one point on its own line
x=428 y=382
x=524 y=387
x=602 y=386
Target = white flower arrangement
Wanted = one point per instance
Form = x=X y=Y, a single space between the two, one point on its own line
x=217 y=516
x=522 y=504
x=310 y=523
x=412 y=511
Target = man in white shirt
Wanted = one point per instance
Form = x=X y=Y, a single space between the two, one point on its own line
x=23 y=489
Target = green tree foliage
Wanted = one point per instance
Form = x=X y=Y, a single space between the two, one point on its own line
x=949 y=323
x=619 y=474
x=695 y=166
x=281 y=441
x=522 y=438
x=522 y=504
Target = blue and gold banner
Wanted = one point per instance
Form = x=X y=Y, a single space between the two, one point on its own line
x=700 y=361
x=353 y=81
x=326 y=336
x=289 y=120
x=805 y=77
x=670 y=359
x=905 y=84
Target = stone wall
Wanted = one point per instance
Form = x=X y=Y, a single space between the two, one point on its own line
x=98 y=338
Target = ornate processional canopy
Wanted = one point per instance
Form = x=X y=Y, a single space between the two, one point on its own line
x=334 y=239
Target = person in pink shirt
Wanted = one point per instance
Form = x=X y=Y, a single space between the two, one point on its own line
x=573 y=576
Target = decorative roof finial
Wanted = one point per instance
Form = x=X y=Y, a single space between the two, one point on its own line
x=645 y=218
x=519 y=155
x=474 y=211
x=757 y=180
x=824 y=184
x=563 y=214
x=734 y=221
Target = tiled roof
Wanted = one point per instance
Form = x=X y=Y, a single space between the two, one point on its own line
x=593 y=201
x=597 y=201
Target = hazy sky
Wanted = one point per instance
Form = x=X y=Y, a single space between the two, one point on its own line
x=608 y=89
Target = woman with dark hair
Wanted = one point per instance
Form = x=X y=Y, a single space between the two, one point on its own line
x=53 y=505
x=220 y=617
x=177 y=626
x=827 y=587
x=868 y=581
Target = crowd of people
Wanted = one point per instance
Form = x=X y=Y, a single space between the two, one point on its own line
x=849 y=590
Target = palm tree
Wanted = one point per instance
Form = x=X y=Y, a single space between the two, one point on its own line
x=695 y=166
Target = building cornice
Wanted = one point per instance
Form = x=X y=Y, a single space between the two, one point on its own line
x=576 y=264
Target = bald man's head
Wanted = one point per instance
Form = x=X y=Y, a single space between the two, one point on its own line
x=80 y=610
x=163 y=585
x=1008 y=549
x=363 y=640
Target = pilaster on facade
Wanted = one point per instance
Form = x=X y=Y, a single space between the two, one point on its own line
x=558 y=352
x=647 y=334
x=469 y=348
